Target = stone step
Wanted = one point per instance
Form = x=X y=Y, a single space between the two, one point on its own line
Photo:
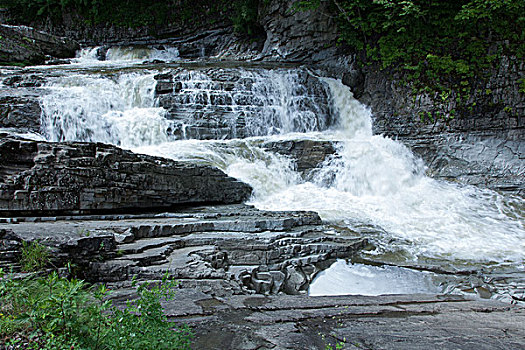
x=148 y=257
x=242 y=224
x=142 y=245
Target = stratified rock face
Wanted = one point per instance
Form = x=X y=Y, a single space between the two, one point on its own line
x=72 y=177
x=474 y=159
x=292 y=35
x=496 y=107
x=248 y=249
x=19 y=100
x=27 y=45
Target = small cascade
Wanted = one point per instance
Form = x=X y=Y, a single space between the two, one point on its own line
x=222 y=117
x=237 y=103
x=126 y=54
x=117 y=110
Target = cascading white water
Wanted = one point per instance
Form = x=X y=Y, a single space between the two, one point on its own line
x=126 y=54
x=264 y=102
x=371 y=179
x=97 y=108
x=377 y=180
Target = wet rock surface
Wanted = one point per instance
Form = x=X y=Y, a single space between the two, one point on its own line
x=353 y=322
x=252 y=251
x=307 y=155
x=475 y=159
x=82 y=177
x=20 y=94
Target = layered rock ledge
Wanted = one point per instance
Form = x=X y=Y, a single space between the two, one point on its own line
x=236 y=247
x=26 y=45
x=78 y=177
x=240 y=271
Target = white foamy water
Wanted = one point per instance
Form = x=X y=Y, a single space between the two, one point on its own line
x=117 y=110
x=370 y=179
x=377 y=180
x=125 y=54
x=357 y=279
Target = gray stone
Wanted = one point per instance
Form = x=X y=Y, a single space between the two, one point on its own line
x=82 y=177
x=26 y=45
x=252 y=249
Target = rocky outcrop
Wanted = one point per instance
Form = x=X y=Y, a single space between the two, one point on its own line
x=251 y=250
x=26 y=45
x=19 y=100
x=84 y=177
x=307 y=155
x=298 y=36
x=473 y=158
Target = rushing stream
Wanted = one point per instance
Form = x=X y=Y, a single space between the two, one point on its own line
x=372 y=185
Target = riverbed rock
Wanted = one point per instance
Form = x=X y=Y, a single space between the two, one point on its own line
x=307 y=155
x=26 y=45
x=253 y=251
x=82 y=177
x=350 y=322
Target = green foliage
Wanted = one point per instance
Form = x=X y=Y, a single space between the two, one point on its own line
x=245 y=16
x=136 y=13
x=56 y=313
x=521 y=83
x=336 y=346
x=440 y=45
x=34 y=256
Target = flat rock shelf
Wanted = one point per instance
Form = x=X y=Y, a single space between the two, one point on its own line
x=243 y=274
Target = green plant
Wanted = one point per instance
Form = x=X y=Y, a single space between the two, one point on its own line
x=34 y=256
x=440 y=46
x=245 y=16
x=521 y=83
x=337 y=346
x=56 y=313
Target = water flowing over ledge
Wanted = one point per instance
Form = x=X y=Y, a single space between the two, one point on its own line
x=370 y=179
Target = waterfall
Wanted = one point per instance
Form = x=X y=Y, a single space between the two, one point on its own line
x=377 y=180
x=232 y=103
x=117 y=110
x=126 y=54
x=371 y=179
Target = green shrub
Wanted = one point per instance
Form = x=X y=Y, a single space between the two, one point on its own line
x=56 y=313
x=441 y=46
